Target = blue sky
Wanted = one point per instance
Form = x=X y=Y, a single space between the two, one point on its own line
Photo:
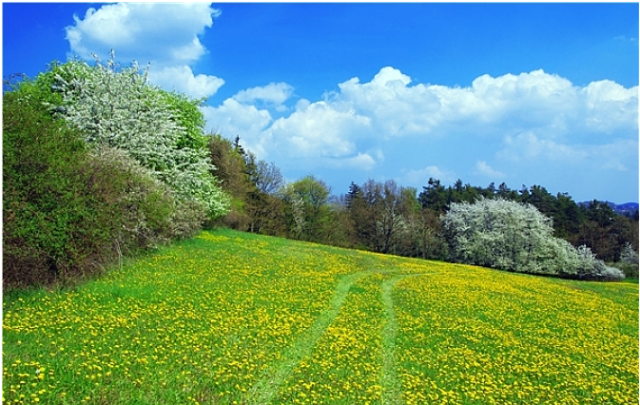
x=524 y=94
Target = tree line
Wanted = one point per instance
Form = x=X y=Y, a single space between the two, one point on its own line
x=99 y=165
x=388 y=218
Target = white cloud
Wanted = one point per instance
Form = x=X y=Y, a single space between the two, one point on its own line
x=394 y=108
x=483 y=169
x=530 y=146
x=183 y=80
x=618 y=154
x=508 y=103
x=319 y=130
x=163 y=34
x=233 y=119
x=609 y=106
x=421 y=176
x=273 y=93
x=149 y=32
x=515 y=118
x=362 y=161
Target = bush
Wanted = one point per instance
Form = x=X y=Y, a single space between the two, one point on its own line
x=162 y=131
x=516 y=237
x=628 y=261
x=69 y=210
x=140 y=207
x=42 y=193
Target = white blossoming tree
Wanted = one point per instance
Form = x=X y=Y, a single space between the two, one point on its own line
x=163 y=131
x=516 y=237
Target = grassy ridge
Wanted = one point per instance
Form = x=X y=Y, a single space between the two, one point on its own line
x=230 y=317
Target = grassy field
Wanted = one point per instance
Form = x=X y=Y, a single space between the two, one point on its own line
x=233 y=318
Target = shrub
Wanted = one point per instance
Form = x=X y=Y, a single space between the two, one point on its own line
x=68 y=210
x=42 y=193
x=629 y=261
x=161 y=130
x=516 y=237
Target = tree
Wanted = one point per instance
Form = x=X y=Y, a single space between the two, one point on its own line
x=230 y=168
x=516 y=237
x=629 y=261
x=566 y=216
x=362 y=204
x=296 y=218
x=433 y=196
x=505 y=193
x=263 y=202
x=377 y=211
x=311 y=196
x=353 y=194
x=390 y=221
x=162 y=131
x=266 y=176
x=417 y=235
x=340 y=230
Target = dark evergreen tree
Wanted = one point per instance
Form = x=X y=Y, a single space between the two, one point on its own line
x=434 y=196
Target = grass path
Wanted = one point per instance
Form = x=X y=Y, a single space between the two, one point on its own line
x=391 y=385
x=264 y=391
x=267 y=387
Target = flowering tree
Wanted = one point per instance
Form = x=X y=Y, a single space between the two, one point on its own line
x=116 y=107
x=516 y=237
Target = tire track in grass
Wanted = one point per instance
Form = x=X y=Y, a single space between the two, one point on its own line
x=391 y=385
x=268 y=386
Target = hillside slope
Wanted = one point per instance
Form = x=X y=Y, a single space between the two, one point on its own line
x=230 y=317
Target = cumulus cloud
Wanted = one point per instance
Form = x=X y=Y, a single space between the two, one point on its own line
x=490 y=105
x=319 y=130
x=483 y=169
x=232 y=118
x=422 y=176
x=273 y=93
x=362 y=161
x=513 y=120
x=167 y=35
x=395 y=108
x=183 y=80
x=609 y=106
x=160 y=32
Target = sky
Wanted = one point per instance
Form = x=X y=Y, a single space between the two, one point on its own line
x=521 y=93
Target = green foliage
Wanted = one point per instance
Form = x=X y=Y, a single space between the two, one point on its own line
x=41 y=191
x=187 y=114
x=307 y=209
x=230 y=168
x=387 y=218
x=628 y=261
x=70 y=209
x=116 y=107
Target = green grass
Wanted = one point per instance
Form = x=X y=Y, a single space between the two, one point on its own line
x=229 y=317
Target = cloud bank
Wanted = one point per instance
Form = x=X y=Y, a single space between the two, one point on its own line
x=163 y=34
x=502 y=121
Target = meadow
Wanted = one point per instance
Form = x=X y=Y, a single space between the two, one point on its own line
x=235 y=318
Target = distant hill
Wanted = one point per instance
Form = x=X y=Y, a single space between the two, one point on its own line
x=620 y=209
